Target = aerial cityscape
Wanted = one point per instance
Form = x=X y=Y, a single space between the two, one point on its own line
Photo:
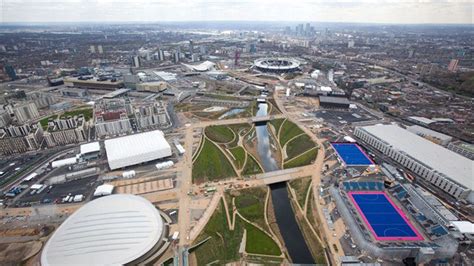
x=218 y=137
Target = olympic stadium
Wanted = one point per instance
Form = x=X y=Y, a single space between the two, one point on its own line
x=277 y=65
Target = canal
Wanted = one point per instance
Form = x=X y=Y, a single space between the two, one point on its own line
x=285 y=217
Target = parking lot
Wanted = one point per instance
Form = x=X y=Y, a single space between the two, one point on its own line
x=84 y=186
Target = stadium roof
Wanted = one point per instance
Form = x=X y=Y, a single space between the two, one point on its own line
x=456 y=167
x=135 y=149
x=113 y=230
x=90 y=147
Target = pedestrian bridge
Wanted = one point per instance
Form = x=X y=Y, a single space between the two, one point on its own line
x=280 y=175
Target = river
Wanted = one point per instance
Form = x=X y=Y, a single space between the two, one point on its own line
x=285 y=217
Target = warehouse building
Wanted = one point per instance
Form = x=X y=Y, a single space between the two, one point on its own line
x=136 y=149
x=445 y=169
x=334 y=102
x=112 y=230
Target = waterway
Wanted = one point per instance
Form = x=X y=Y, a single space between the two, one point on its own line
x=285 y=217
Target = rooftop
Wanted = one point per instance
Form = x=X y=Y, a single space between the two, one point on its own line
x=90 y=147
x=442 y=160
x=113 y=230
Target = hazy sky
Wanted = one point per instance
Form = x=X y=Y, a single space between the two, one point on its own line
x=378 y=11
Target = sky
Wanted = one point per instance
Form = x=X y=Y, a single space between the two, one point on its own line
x=361 y=11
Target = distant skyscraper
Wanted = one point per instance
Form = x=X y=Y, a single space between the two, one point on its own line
x=11 y=72
x=203 y=49
x=453 y=65
x=191 y=46
x=136 y=61
x=92 y=49
x=100 y=49
x=350 y=44
x=161 y=55
x=176 y=56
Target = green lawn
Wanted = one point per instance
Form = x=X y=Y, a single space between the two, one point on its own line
x=277 y=124
x=251 y=204
x=303 y=159
x=301 y=186
x=260 y=243
x=44 y=121
x=299 y=145
x=220 y=134
x=223 y=247
x=239 y=155
x=251 y=167
x=211 y=164
x=288 y=131
x=238 y=129
x=87 y=112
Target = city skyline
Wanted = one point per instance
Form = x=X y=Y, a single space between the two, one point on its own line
x=356 y=11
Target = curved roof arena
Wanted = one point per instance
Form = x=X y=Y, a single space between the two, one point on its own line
x=113 y=230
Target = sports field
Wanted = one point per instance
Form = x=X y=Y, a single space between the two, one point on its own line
x=351 y=154
x=384 y=219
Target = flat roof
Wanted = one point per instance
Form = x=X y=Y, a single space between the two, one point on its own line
x=115 y=93
x=419 y=129
x=455 y=166
x=465 y=227
x=421 y=119
x=338 y=100
x=135 y=149
x=112 y=230
x=90 y=147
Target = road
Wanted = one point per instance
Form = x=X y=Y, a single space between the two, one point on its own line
x=185 y=180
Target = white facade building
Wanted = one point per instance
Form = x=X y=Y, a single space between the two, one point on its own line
x=136 y=149
x=443 y=168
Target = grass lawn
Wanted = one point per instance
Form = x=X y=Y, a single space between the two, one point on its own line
x=288 y=131
x=240 y=128
x=44 y=121
x=251 y=167
x=299 y=145
x=239 y=155
x=220 y=134
x=223 y=247
x=260 y=243
x=87 y=112
x=303 y=159
x=276 y=123
x=251 y=204
x=300 y=186
x=211 y=164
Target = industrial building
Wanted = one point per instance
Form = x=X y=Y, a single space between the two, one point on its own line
x=92 y=83
x=136 y=149
x=90 y=151
x=444 y=168
x=112 y=230
x=334 y=102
